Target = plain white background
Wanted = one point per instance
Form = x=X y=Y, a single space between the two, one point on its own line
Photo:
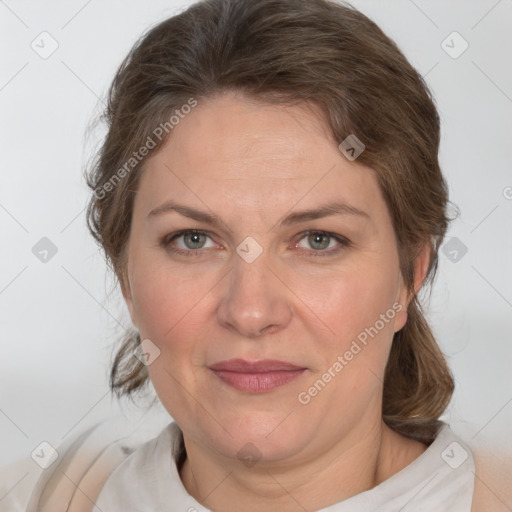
x=59 y=319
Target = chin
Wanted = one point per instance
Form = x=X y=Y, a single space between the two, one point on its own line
x=268 y=436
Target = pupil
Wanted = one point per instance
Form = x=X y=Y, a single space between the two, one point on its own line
x=195 y=238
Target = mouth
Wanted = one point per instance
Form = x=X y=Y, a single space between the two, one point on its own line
x=258 y=376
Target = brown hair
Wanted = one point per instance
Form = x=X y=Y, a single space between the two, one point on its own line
x=286 y=51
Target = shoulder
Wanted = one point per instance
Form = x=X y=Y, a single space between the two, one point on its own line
x=82 y=465
x=440 y=478
x=493 y=478
x=146 y=455
x=490 y=456
x=450 y=461
x=17 y=481
x=138 y=480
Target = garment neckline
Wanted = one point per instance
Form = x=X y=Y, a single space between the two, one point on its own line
x=428 y=462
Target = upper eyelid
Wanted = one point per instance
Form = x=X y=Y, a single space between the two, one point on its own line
x=178 y=234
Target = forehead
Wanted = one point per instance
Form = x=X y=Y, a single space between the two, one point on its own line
x=239 y=135
x=241 y=152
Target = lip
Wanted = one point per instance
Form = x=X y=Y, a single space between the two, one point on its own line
x=258 y=376
x=263 y=366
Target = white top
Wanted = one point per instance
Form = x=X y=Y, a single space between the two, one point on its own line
x=441 y=479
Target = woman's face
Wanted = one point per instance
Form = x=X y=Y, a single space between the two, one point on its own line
x=313 y=298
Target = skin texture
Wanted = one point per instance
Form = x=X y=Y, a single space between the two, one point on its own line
x=251 y=164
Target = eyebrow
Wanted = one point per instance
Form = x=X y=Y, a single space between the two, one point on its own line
x=327 y=210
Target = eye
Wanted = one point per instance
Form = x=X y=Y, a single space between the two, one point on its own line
x=192 y=241
x=323 y=243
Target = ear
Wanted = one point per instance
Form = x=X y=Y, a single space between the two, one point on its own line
x=127 y=294
x=421 y=266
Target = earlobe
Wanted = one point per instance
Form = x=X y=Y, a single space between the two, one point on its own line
x=401 y=314
x=421 y=266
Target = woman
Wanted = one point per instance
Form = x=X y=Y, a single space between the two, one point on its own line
x=270 y=199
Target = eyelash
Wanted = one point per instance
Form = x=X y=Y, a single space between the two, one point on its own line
x=165 y=242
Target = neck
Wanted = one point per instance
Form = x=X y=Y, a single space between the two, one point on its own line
x=356 y=464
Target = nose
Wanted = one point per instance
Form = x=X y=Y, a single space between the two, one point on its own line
x=255 y=301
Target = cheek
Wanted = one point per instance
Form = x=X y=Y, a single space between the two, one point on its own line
x=171 y=313
x=361 y=309
x=164 y=299
x=352 y=302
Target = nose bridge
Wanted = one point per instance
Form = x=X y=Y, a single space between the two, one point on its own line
x=254 y=300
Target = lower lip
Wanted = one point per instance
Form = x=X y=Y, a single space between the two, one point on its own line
x=258 y=382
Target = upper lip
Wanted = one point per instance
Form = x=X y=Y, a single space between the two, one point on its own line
x=265 y=365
